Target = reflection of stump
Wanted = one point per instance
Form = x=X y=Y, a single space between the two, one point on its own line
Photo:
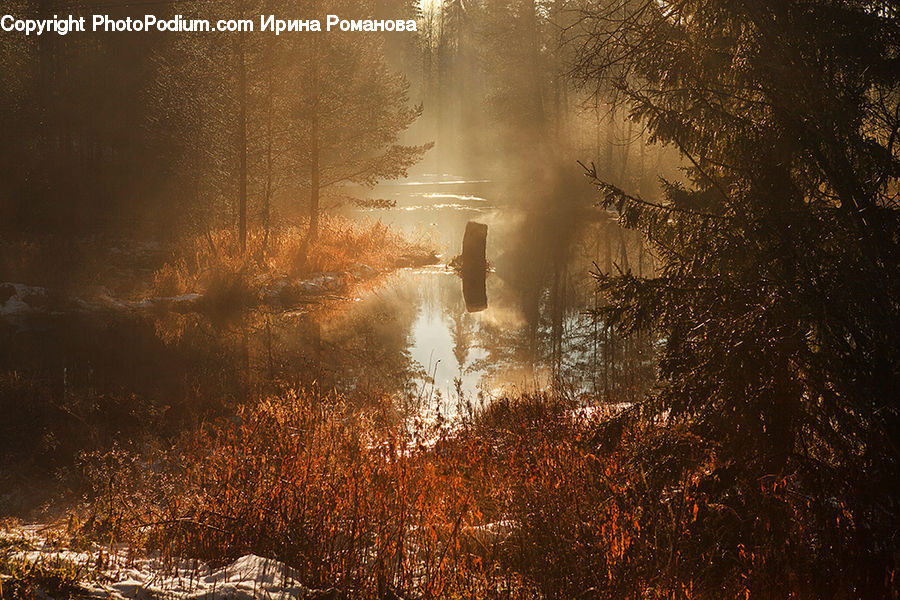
x=474 y=266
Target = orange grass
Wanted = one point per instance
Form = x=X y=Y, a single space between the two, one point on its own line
x=504 y=505
x=202 y=261
x=516 y=501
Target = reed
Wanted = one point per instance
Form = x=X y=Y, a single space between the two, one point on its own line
x=212 y=260
x=523 y=498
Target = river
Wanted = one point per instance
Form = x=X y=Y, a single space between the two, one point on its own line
x=82 y=381
x=537 y=331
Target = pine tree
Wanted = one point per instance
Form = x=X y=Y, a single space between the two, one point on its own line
x=350 y=112
x=252 y=114
x=776 y=301
x=214 y=101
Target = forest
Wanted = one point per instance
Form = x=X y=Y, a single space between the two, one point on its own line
x=540 y=299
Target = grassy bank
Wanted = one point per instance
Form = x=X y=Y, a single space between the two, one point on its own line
x=212 y=263
x=133 y=269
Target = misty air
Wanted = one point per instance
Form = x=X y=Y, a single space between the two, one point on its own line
x=463 y=299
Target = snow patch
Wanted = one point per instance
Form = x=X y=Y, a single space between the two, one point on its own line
x=115 y=575
x=17 y=299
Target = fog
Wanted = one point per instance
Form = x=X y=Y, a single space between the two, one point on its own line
x=162 y=194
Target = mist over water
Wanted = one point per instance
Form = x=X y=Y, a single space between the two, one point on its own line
x=93 y=216
x=406 y=333
x=535 y=333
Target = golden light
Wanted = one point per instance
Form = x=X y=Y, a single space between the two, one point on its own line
x=430 y=6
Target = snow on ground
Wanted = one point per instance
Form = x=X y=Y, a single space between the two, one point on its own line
x=18 y=299
x=489 y=535
x=115 y=575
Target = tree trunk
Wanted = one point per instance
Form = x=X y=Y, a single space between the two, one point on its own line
x=267 y=198
x=314 y=169
x=536 y=92
x=610 y=140
x=314 y=182
x=242 y=143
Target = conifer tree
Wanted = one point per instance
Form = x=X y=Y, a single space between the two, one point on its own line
x=776 y=301
x=252 y=113
x=350 y=111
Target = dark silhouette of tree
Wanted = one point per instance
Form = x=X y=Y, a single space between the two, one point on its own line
x=71 y=157
x=778 y=283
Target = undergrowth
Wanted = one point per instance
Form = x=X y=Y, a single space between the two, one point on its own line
x=24 y=578
x=523 y=499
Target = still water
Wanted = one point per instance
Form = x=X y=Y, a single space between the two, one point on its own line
x=75 y=385
x=536 y=332
x=71 y=382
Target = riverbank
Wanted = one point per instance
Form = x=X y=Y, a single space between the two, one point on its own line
x=208 y=273
x=160 y=341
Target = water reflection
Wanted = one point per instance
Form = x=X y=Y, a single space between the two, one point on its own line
x=75 y=382
x=536 y=331
x=474 y=266
x=416 y=332
x=474 y=287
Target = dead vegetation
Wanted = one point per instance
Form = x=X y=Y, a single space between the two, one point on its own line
x=519 y=500
x=211 y=263
x=23 y=578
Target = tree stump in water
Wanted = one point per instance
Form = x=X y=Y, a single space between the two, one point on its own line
x=474 y=243
x=474 y=266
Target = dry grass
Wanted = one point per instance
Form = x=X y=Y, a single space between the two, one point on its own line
x=517 y=501
x=213 y=260
x=508 y=504
x=24 y=579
